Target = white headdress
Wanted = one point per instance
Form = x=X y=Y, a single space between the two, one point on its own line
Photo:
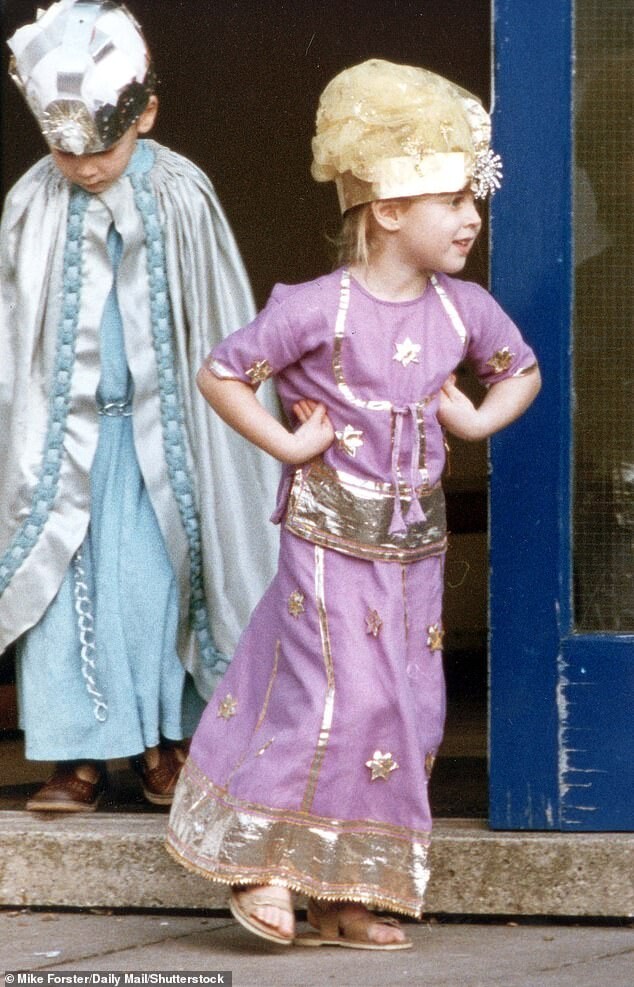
x=85 y=71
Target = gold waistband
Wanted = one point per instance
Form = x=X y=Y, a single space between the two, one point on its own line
x=353 y=516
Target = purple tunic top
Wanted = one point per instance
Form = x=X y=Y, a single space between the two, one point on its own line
x=378 y=366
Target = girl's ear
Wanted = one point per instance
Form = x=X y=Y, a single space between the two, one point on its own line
x=388 y=212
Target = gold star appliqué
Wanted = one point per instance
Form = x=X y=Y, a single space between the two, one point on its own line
x=407 y=352
x=381 y=765
x=435 y=635
x=373 y=623
x=501 y=360
x=259 y=371
x=296 y=604
x=227 y=707
x=349 y=439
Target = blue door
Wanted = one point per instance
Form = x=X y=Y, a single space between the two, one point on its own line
x=562 y=494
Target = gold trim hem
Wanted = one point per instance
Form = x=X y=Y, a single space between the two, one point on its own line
x=236 y=842
x=296 y=886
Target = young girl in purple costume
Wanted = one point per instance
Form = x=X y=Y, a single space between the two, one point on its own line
x=310 y=767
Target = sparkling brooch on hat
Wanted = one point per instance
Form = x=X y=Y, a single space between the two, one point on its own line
x=487 y=174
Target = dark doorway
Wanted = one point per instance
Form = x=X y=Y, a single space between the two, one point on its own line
x=239 y=83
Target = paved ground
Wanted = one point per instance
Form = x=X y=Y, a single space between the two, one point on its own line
x=453 y=954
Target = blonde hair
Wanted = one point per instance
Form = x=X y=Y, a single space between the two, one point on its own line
x=354 y=242
x=360 y=232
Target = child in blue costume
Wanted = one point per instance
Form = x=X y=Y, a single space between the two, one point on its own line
x=123 y=591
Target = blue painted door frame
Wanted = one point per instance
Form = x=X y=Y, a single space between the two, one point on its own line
x=562 y=704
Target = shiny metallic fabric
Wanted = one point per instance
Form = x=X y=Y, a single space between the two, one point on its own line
x=331 y=859
x=340 y=511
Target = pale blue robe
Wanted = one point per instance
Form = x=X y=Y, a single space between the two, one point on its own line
x=134 y=597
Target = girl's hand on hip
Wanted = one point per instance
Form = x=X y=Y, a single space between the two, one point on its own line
x=303 y=409
x=314 y=435
x=457 y=413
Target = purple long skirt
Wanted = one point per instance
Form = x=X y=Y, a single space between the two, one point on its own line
x=310 y=766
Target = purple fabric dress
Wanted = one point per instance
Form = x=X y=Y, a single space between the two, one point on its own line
x=310 y=766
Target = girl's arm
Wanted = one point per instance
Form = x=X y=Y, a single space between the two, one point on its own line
x=237 y=405
x=503 y=403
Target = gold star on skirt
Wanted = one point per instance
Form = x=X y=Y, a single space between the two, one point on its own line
x=227 y=707
x=296 y=604
x=373 y=623
x=435 y=635
x=381 y=765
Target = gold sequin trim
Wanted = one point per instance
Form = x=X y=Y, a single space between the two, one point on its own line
x=405 y=607
x=380 y=865
x=525 y=371
x=337 y=356
x=265 y=747
x=451 y=310
x=329 y=699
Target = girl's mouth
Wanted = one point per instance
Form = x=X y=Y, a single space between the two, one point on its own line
x=464 y=246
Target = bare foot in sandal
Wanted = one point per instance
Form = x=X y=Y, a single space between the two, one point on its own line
x=266 y=911
x=382 y=931
x=352 y=926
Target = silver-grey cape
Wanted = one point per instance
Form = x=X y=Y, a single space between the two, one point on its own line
x=233 y=482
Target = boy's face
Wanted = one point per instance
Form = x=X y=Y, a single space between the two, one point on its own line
x=97 y=172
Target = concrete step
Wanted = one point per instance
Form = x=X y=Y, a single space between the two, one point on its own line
x=118 y=861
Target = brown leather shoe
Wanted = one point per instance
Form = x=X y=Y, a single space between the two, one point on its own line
x=159 y=781
x=66 y=791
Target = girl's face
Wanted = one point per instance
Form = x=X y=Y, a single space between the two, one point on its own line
x=437 y=232
x=97 y=172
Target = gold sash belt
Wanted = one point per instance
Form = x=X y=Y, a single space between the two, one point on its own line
x=353 y=516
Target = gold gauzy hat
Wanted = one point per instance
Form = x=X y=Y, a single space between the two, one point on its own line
x=388 y=131
x=84 y=69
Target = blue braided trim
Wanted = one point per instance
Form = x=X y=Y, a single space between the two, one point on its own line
x=47 y=485
x=171 y=415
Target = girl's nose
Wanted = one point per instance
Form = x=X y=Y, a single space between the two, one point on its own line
x=472 y=216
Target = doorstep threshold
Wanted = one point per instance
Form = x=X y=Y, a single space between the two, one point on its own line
x=118 y=861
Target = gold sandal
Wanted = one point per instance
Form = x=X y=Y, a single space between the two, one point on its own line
x=250 y=921
x=326 y=919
